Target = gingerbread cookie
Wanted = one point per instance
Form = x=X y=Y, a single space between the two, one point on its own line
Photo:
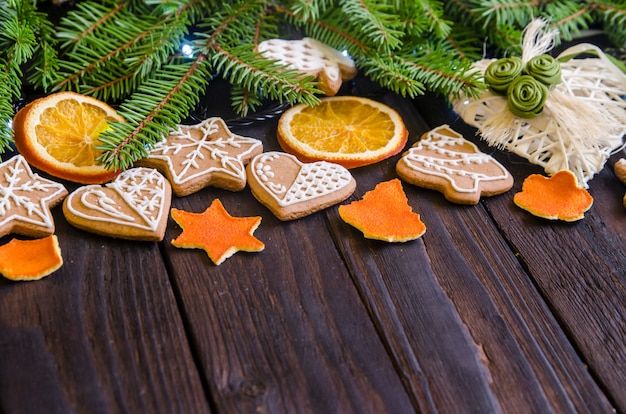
x=291 y=189
x=26 y=200
x=202 y=155
x=620 y=172
x=312 y=57
x=133 y=206
x=443 y=160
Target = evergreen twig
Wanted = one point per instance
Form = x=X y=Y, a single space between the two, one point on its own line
x=154 y=58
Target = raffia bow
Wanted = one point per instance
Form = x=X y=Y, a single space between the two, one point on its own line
x=583 y=120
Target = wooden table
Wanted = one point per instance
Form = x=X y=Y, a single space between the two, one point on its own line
x=492 y=310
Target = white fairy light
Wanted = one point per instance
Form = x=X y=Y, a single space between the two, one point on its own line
x=186 y=50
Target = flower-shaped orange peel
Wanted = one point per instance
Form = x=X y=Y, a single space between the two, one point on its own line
x=384 y=214
x=217 y=232
x=29 y=260
x=556 y=198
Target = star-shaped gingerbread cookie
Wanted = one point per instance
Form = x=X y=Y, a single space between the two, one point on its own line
x=217 y=232
x=206 y=154
x=26 y=200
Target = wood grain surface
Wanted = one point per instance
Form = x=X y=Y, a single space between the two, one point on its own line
x=492 y=310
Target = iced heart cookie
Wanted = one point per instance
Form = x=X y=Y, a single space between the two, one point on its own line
x=312 y=57
x=26 y=200
x=133 y=206
x=291 y=189
x=202 y=155
x=443 y=160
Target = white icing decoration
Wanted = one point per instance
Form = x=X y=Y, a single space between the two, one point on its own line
x=33 y=195
x=308 y=55
x=314 y=180
x=448 y=167
x=142 y=189
x=197 y=149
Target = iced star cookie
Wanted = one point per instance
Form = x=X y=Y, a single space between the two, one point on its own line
x=291 y=189
x=443 y=160
x=202 y=155
x=312 y=57
x=134 y=206
x=26 y=200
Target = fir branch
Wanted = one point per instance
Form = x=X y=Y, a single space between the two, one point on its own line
x=330 y=31
x=507 y=12
x=569 y=17
x=251 y=71
x=25 y=37
x=443 y=75
x=376 y=20
x=158 y=106
x=195 y=10
x=311 y=9
x=612 y=17
x=393 y=74
x=244 y=101
x=6 y=112
x=438 y=25
x=100 y=38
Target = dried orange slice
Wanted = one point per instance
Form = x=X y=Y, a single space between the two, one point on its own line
x=384 y=214
x=558 y=197
x=348 y=130
x=30 y=259
x=59 y=133
x=218 y=233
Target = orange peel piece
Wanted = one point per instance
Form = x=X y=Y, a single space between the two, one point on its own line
x=29 y=260
x=556 y=198
x=218 y=233
x=384 y=214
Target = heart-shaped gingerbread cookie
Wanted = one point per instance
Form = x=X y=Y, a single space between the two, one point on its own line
x=133 y=206
x=292 y=189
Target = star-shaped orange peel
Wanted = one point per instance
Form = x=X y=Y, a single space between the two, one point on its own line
x=384 y=214
x=556 y=198
x=30 y=259
x=217 y=232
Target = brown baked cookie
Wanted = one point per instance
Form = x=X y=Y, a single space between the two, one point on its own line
x=620 y=172
x=291 y=189
x=312 y=57
x=134 y=206
x=26 y=200
x=443 y=160
x=202 y=155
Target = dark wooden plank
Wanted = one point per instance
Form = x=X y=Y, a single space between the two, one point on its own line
x=578 y=268
x=511 y=331
x=282 y=330
x=102 y=334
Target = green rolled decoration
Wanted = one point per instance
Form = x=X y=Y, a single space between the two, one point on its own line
x=502 y=72
x=545 y=69
x=526 y=96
